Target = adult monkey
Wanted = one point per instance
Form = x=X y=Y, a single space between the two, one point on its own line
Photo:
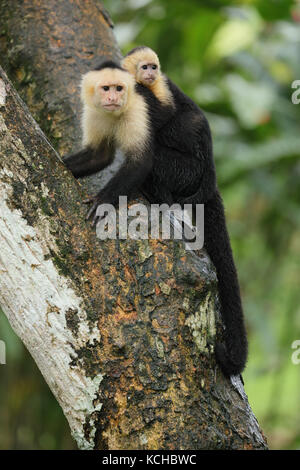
x=184 y=172
x=116 y=116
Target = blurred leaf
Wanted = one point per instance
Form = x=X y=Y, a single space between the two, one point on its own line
x=251 y=101
x=242 y=158
x=275 y=9
x=235 y=34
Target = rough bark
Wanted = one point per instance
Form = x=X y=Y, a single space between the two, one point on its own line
x=123 y=331
x=45 y=55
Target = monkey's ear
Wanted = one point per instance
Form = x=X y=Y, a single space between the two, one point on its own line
x=87 y=87
x=130 y=63
x=89 y=90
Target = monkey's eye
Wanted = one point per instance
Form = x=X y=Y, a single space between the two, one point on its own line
x=154 y=67
x=144 y=67
x=119 y=88
x=105 y=88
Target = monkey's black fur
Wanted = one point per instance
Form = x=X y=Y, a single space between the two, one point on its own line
x=89 y=161
x=108 y=64
x=184 y=172
x=138 y=48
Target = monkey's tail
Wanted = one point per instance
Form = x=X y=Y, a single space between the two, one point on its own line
x=232 y=354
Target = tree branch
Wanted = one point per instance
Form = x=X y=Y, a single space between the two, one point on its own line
x=122 y=330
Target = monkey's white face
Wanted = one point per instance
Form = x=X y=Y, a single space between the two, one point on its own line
x=111 y=97
x=147 y=72
x=107 y=90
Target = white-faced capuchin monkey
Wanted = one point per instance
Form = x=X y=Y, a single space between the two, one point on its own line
x=117 y=114
x=184 y=172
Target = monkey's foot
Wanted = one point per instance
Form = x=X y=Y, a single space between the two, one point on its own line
x=95 y=201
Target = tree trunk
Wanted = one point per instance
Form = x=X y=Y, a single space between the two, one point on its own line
x=46 y=54
x=122 y=330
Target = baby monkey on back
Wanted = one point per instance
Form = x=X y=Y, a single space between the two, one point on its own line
x=184 y=172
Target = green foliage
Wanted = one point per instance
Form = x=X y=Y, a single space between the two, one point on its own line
x=30 y=417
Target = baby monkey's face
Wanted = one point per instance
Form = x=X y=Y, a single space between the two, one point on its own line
x=147 y=72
